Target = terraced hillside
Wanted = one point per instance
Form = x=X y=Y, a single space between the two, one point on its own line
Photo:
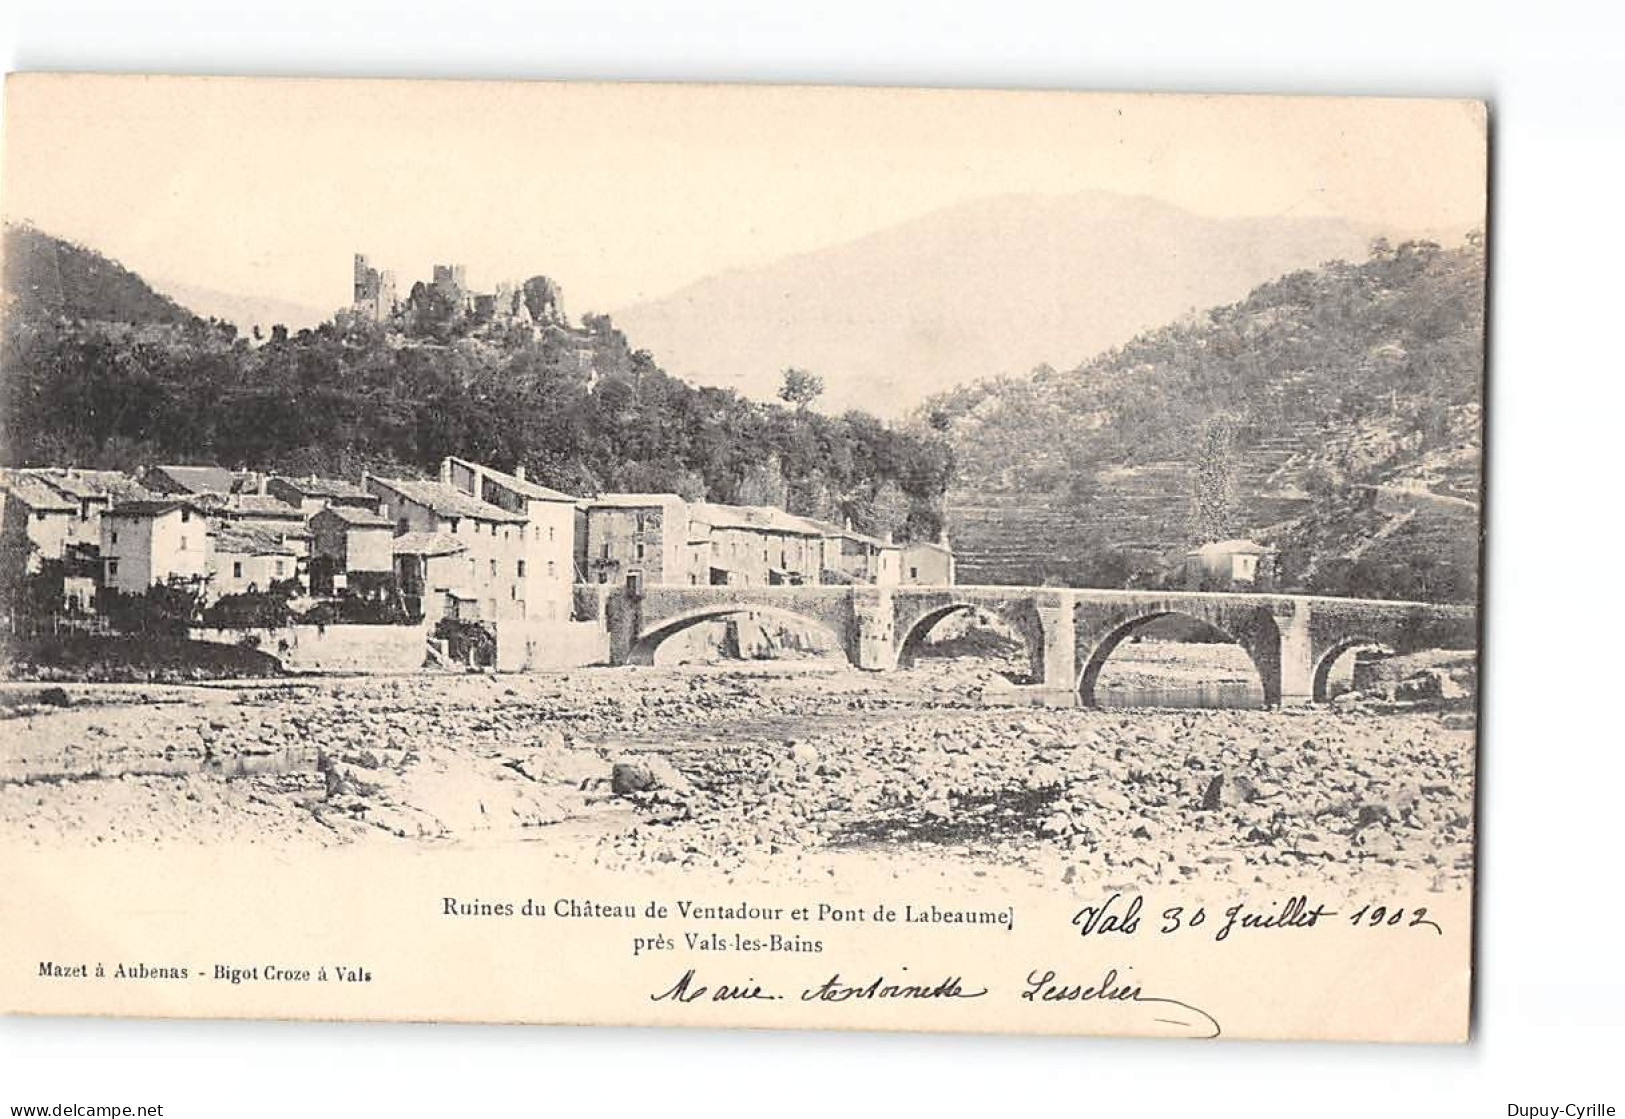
x=1333 y=386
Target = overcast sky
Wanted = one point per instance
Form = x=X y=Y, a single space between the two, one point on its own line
x=265 y=187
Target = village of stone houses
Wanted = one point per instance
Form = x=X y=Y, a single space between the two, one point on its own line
x=454 y=567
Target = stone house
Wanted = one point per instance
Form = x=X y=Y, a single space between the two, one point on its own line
x=849 y=556
x=545 y=563
x=151 y=540
x=495 y=550
x=245 y=558
x=646 y=533
x=311 y=493
x=92 y=491
x=756 y=545
x=36 y=521
x=928 y=563
x=188 y=479
x=1230 y=563
x=436 y=575
x=349 y=546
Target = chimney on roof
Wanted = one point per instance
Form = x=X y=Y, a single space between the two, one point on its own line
x=445 y=471
x=519 y=472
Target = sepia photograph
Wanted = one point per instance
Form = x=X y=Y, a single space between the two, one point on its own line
x=790 y=556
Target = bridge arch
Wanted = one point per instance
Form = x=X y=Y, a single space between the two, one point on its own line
x=1019 y=616
x=645 y=645
x=1327 y=660
x=1256 y=633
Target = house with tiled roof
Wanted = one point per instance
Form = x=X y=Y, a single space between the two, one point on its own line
x=311 y=493
x=346 y=541
x=91 y=492
x=752 y=545
x=249 y=507
x=189 y=479
x=494 y=540
x=35 y=520
x=929 y=563
x=547 y=535
x=436 y=574
x=646 y=533
x=850 y=556
x=245 y=558
x=153 y=540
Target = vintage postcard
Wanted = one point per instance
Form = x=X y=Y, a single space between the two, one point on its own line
x=741 y=556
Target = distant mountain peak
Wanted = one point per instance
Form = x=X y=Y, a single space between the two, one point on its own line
x=990 y=286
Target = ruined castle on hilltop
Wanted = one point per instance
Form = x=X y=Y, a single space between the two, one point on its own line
x=447 y=298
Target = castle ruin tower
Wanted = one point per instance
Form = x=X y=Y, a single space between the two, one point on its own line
x=374 y=291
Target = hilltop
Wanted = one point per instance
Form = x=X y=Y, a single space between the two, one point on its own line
x=1329 y=403
x=48 y=276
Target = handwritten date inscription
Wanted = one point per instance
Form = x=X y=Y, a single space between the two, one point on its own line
x=1118 y=917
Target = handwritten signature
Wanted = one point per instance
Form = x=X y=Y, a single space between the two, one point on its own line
x=1114 y=990
x=689 y=989
x=1152 y=1013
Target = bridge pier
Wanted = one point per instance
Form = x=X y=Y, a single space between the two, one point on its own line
x=1296 y=658
x=1060 y=652
x=872 y=645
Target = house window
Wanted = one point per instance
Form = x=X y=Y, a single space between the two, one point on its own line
x=640 y=549
x=454 y=525
x=39 y=515
x=402 y=527
x=521 y=569
x=913 y=573
x=603 y=576
x=493 y=567
x=237 y=569
x=112 y=569
x=604 y=552
x=550 y=533
x=183 y=543
x=186 y=515
x=279 y=568
x=552 y=569
x=115 y=537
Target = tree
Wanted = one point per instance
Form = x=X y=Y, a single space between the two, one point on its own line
x=763 y=483
x=800 y=387
x=888 y=511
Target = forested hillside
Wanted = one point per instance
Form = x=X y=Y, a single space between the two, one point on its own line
x=1279 y=416
x=46 y=277
x=99 y=378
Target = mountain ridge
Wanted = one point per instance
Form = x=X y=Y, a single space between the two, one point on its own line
x=996 y=285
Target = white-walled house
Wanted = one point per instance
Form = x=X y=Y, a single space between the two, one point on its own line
x=245 y=558
x=150 y=541
x=35 y=520
x=548 y=533
x=928 y=563
x=496 y=552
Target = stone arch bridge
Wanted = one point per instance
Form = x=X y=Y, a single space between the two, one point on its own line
x=1292 y=640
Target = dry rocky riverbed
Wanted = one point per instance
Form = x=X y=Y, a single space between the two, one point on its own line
x=768 y=772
